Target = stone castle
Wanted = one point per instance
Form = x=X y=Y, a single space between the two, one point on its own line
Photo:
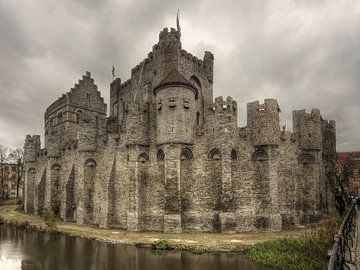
x=169 y=158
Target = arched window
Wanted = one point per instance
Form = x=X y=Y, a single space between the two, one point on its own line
x=143 y=157
x=306 y=158
x=196 y=82
x=88 y=96
x=198 y=118
x=186 y=153
x=60 y=115
x=233 y=155
x=160 y=155
x=260 y=155
x=214 y=154
x=55 y=201
x=79 y=114
x=89 y=190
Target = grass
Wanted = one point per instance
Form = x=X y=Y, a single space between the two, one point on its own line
x=165 y=245
x=288 y=253
x=308 y=252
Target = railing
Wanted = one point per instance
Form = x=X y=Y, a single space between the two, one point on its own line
x=341 y=253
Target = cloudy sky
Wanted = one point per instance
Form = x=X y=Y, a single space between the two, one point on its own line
x=304 y=53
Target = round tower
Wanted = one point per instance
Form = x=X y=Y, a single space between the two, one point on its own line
x=263 y=121
x=175 y=105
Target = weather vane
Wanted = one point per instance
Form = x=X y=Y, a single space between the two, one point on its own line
x=113 y=72
x=177 y=21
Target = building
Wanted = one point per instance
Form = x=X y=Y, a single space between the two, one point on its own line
x=350 y=164
x=8 y=178
x=171 y=158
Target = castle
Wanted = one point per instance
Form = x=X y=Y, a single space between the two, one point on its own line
x=170 y=158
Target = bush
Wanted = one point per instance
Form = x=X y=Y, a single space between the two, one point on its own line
x=165 y=245
x=303 y=253
x=49 y=218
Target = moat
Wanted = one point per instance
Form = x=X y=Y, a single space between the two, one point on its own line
x=28 y=249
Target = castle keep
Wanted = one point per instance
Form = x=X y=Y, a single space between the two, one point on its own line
x=170 y=158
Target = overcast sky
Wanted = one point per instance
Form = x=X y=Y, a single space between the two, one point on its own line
x=304 y=53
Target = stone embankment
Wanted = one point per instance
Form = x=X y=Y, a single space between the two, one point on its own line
x=210 y=242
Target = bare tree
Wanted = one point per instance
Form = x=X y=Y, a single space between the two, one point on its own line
x=17 y=156
x=3 y=158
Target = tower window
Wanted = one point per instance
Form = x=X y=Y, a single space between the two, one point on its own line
x=186 y=104
x=172 y=103
x=198 y=118
x=159 y=105
x=60 y=114
x=88 y=96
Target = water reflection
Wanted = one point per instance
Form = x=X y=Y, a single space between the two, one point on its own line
x=25 y=249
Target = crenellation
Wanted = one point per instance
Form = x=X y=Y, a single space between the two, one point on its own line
x=170 y=157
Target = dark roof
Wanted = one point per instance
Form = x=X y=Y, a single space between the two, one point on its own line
x=175 y=78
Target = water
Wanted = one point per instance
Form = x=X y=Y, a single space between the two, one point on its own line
x=28 y=249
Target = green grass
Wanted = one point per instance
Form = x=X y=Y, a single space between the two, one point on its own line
x=165 y=245
x=290 y=253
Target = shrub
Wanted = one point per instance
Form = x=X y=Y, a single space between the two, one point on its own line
x=49 y=218
x=165 y=245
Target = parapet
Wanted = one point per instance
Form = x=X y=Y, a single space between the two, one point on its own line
x=308 y=127
x=31 y=148
x=225 y=106
x=329 y=138
x=263 y=122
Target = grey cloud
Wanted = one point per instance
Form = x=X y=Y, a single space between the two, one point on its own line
x=304 y=53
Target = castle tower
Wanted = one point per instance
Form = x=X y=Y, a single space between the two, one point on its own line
x=308 y=128
x=31 y=148
x=329 y=160
x=31 y=152
x=263 y=122
x=223 y=115
x=175 y=119
x=168 y=50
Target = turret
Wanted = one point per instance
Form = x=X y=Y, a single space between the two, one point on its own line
x=167 y=50
x=175 y=106
x=209 y=65
x=329 y=138
x=31 y=148
x=224 y=114
x=263 y=122
x=308 y=129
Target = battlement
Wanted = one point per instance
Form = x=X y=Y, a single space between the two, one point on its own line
x=329 y=137
x=329 y=124
x=308 y=127
x=30 y=139
x=225 y=106
x=166 y=35
x=264 y=122
x=31 y=148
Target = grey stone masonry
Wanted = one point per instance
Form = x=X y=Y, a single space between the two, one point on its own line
x=171 y=158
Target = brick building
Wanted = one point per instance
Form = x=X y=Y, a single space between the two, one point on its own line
x=351 y=160
x=8 y=172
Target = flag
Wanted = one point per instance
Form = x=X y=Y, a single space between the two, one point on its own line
x=113 y=71
x=177 y=21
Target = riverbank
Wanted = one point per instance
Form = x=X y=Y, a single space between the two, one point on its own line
x=192 y=241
